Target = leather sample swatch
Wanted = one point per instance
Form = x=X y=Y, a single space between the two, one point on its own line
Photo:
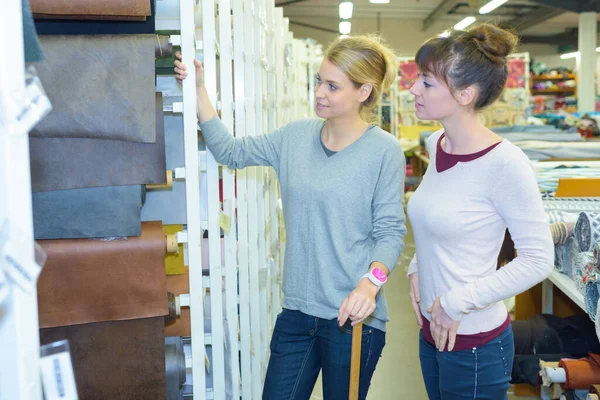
x=88 y=213
x=116 y=359
x=66 y=163
x=96 y=27
x=87 y=9
x=87 y=280
x=91 y=95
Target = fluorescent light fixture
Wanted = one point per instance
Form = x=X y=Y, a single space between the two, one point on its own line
x=464 y=23
x=491 y=6
x=379 y=1
x=345 y=27
x=574 y=54
x=346 y=10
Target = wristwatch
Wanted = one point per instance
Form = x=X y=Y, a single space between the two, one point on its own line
x=376 y=276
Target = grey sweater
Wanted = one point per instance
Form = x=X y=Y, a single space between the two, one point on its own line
x=341 y=212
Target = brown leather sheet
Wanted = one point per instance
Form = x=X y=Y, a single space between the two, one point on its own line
x=91 y=9
x=68 y=163
x=116 y=360
x=179 y=284
x=86 y=280
x=92 y=94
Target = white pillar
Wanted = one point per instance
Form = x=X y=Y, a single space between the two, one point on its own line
x=586 y=63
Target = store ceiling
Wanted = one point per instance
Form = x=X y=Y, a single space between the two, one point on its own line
x=538 y=21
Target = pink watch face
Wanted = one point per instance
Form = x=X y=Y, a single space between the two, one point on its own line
x=377 y=273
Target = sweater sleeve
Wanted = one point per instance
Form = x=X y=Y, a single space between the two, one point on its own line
x=517 y=200
x=242 y=152
x=388 y=210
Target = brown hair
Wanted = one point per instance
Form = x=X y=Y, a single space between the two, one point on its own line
x=476 y=56
x=366 y=60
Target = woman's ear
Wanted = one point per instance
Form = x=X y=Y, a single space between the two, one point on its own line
x=365 y=92
x=466 y=96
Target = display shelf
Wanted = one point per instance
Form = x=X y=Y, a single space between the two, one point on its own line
x=567 y=286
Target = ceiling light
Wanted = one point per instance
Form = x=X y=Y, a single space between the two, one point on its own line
x=574 y=54
x=379 y=1
x=345 y=27
x=346 y=10
x=464 y=23
x=491 y=6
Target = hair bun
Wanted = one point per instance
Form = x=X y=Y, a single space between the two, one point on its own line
x=494 y=42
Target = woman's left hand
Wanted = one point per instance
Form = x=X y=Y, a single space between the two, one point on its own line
x=359 y=304
x=443 y=328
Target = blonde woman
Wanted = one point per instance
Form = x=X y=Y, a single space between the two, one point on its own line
x=342 y=184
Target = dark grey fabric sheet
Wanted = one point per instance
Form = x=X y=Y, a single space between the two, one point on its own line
x=88 y=213
x=67 y=163
x=93 y=92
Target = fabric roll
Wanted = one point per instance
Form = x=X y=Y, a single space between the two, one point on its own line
x=88 y=213
x=95 y=99
x=526 y=368
x=31 y=44
x=87 y=281
x=85 y=9
x=163 y=46
x=97 y=27
x=595 y=389
x=597 y=320
x=587 y=230
x=561 y=231
x=116 y=359
x=68 y=163
x=549 y=334
x=582 y=373
x=580 y=270
x=175 y=367
x=591 y=297
x=570 y=251
x=174 y=262
x=596 y=253
x=570 y=207
x=558 y=258
x=179 y=284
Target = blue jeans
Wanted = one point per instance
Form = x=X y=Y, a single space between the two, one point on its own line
x=482 y=372
x=302 y=345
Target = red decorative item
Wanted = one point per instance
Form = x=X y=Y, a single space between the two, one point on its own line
x=409 y=73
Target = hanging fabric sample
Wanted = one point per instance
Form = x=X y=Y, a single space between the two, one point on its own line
x=88 y=213
x=116 y=359
x=31 y=44
x=97 y=27
x=87 y=280
x=67 y=163
x=96 y=99
x=112 y=10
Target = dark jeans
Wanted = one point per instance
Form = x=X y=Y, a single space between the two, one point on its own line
x=302 y=345
x=479 y=373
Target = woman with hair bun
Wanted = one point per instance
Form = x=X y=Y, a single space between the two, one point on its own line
x=342 y=187
x=476 y=186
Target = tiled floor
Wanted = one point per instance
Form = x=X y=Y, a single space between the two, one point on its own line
x=398 y=375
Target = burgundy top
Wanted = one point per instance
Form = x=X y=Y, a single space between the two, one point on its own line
x=445 y=161
x=464 y=342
